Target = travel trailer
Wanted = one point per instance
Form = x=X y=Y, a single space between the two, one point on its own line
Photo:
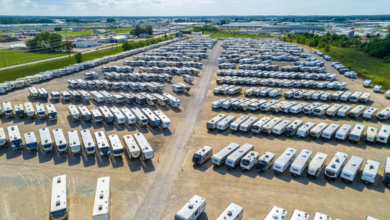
x=284 y=160
x=192 y=209
x=219 y=158
x=202 y=155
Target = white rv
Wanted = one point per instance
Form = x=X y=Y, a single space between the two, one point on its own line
x=267 y=128
x=357 y=111
x=371 y=135
x=108 y=117
x=220 y=157
x=8 y=110
x=321 y=216
x=153 y=120
x=97 y=96
x=235 y=158
x=351 y=169
x=318 y=129
x=316 y=165
x=232 y=212
x=19 y=111
x=249 y=160
x=217 y=104
x=51 y=112
x=59 y=198
x=86 y=115
x=235 y=125
x=300 y=163
x=370 y=171
x=96 y=115
x=256 y=127
x=41 y=112
x=46 y=141
x=74 y=142
x=74 y=113
x=101 y=207
x=308 y=110
x=102 y=144
x=116 y=145
x=384 y=114
x=265 y=162
x=284 y=160
x=332 y=111
x=355 y=97
x=370 y=113
x=3 y=138
x=276 y=213
x=386 y=174
x=33 y=92
x=119 y=118
x=356 y=133
x=55 y=95
x=130 y=117
x=59 y=138
x=225 y=123
x=343 y=132
x=192 y=209
x=15 y=138
x=173 y=101
x=30 y=112
x=85 y=96
x=65 y=96
x=132 y=147
x=292 y=128
x=344 y=111
x=321 y=110
x=365 y=97
x=147 y=152
x=383 y=135
x=31 y=141
x=212 y=124
x=247 y=124
x=298 y=108
x=281 y=127
x=330 y=131
x=202 y=155
x=88 y=142
x=165 y=122
x=142 y=120
x=300 y=215
x=345 y=96
x=334 y=167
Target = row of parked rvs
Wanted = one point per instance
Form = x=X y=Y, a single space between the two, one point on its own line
x=170 y=70
x=164 y=77
x=245 y=157
x=27 y=110
x=158 y=64
x=124 y=85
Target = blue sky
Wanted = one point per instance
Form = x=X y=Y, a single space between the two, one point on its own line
x=192 y=7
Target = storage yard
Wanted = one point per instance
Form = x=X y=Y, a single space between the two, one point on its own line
x=160 y=187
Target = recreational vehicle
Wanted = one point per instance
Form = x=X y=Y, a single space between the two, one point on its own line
x=365 y=97
x=74 y=113
x=308 y=110
x=147 y=152
x=8 y=110
x=370 y=171
x=219 y=158
x=102 y=144
x=265 y=162
x=330 y=131
x=235 y=158
x=41 y=112
x=101 y=207
x=116 y=145
x=332 y=111
x=300 y=215
x=344 y=111
x=15 y=138
x=51 y=112
x=356 y=133
x=316 y=131
x=74 y=142
x=46 y=141
x=173 y=101
x=30 y=112
x=88 y=142
x=334 y=167
x=383 y=135
x=119 y=118
x=321 y=110
x=371 y=135
x=65 y=96
x=386 y=175
x=212 y=124
x=97 y=96
x=59 y=199
x=316 y=165
x=202 y=155
x=292 y=128
x=384 y=114
x=284 y=160
x=343 y=132
x=59 y=139
x=85 y=113
x=249 y=160
x=321 y=216
x=153 y=120
x=192 y=209
x=247 y=124
x=276 y=213
x=217 y=104
x=351 y=169
x=19 y=111
x=281 y=127
x=267 y=128
x=96 y=115
x=357 y=111
x=256 y=127
x=132 y=148
x=232 y=212
x=345 y=96
x=108 y=117
x=370 y=113
x=141 y=119
x=298 y=108
x=225 y=123
x=300 y=163
x=33 y=92
x=75 y=96
x=355 y=97
x=31 y=141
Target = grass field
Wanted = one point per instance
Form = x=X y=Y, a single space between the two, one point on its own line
x=90 y=31
x=14 y=57
x=365 y=66
x=220 y=34
x=77 y=33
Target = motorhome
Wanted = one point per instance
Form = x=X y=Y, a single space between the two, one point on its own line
x=300 y=94
x=51 y=112
x=290 y=93
x=370 y=113
x=192 y=209
x=267 y=106
x=330 y=131
x=225 y=123
x=316 y=165
x=102 y=144
x=75 y=96
x=212 y=124
x=140 y=99
x=332 y=111
x=108 y=117
x=344 y=111
x=132 y=148
x=141 y=119
x=247 y=124
x=217 y=104
x=336 y=96
x=59 y=139
x=357 y=111
x=116 y=145
x=383 y=135
x=108 y=98
x=265 y=162
x=276 y=107
x=129 y=116
x=299 y=215
x=30 y=112
x=31 y=141
x=46 y=141
x=371 y=135
x=351 y=169
x=74 y=112
x=308 y=94
x=316 y=131
x=321 y=216
x=165 y=122
x=235 y=158
x=345 y=96
x=308 y=110
x=119 y=118
x=300 y=163
x=355 y=97
x=292 y=128
x=128 y=98
x=386 y=175
x=74 y=142
x=19 y=111
x=268 y=127
x=150 y=100
x=88 y=142
x=33 y=92
x=356 y=133
x=321 y=110
x=96 y=115
x=15 y=138
x=327 y=96
x=97 y=96
x=41 y=112
x=343 y=132
x=73 y=84
x=370 y=171
x=275 y=92
x=85 y=113
x=367 y=83
x=219 y=158
x=298 y=108
x=202 y=155
x=232 y=212
x=147 y=152
x=276 y=213
x=284 y=160
x=65 y=96
x=59 y=198
x=256 y=127
x=317 y=95
x=173 y=101
x=236 y=104
x=101 y=206
x=384 y=114
x=249 y=160
x=281 y=127
x=334 y=167
x=153 y=120
x=286 y=108
x=8 y=110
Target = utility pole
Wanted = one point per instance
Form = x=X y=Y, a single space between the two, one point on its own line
x=3 y=57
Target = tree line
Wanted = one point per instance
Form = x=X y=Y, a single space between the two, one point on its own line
x=205 y=28
x=143 y=43
x=46 y=41
x=15 y=20
x=140 y=30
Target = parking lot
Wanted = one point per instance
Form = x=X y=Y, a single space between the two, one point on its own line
x=158 y=188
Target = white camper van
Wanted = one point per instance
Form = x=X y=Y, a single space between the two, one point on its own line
x=101 y=207
x=334 y=167
x=59 y=198
x=232 y=212
x=192 y=209
x=383 y=135
x=265 y=162
x=74 y=113
x=33 y=92
x=88 y=142
x=15 y=138
x=8 y=110
x=370 y=171
x=351 y=169
x=116 y=145
x=153 y=120
x=235 y=158
x=343 y=132
x=365 y=97
x=74 y=142
x=371 y=135
x=165 y=122
x=300 y=163
x=276 y=213
x=284 y=160
x=267 y=128
x=332 y=111
x=51 y=112
x=96 y=115
x=86 y=115
x=220 y=157
x=46 y=141
x=344 y=111
x=316 y=165
x=321 y=110
x=318 y=129
x=212 y=124
x=41 y=111
x=202 y=155
x=19 y=111
x=59 y=138
x=102 y=144
x=370 y=113
x=249 y=160
x=300 y=215
x=30 y=112
x=147 y=152
x=132 y=148
x=31 y=141
x=356 y=133
x=357 y=111
x=119 y=118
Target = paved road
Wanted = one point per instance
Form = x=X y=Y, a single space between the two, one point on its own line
x=158 y=193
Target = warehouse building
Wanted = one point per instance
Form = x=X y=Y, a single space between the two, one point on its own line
x=84 y=43
x=268 y=28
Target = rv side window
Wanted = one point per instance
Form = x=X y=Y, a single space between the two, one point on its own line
x=196 y=212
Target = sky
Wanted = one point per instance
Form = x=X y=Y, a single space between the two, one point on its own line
x=192 y=7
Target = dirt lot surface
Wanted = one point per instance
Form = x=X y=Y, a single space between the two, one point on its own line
x=157 y=189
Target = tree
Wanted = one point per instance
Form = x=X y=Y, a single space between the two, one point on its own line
x=45 y=41
x=58 y=28
x=110 y=20
x=223 y=21
x=327 y=48
x=79 y=57
x=149 y=30
x=67 y=46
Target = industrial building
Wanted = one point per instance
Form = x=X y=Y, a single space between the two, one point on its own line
x=84 y=43
x=268 y=28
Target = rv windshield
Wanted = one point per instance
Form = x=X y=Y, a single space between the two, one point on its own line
x=41 y=113
x=53 y=114
x=354 y=137
x=196 y=159
x=58 y=214
x=119 y=151
x=256 y=128
x=89 y=149
x=46 y=146
x=289 y=131
x=317 y=111
x=32 y=145
x=87 y=117
x=104 y=149
x=62 y=146
x=387 y=178
x=44 y=95
x=245 y=162
x=209 y=124
x=20 y=112
x=109 y=119
x=98 y=117
x=8 y=111
x=261 y=165
x=144 y=121
x=17 y=143
x=330 y=172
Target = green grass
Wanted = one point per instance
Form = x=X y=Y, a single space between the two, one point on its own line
x=77 y=33
x=14 y=57
x=90 y=31
x=221 y=34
